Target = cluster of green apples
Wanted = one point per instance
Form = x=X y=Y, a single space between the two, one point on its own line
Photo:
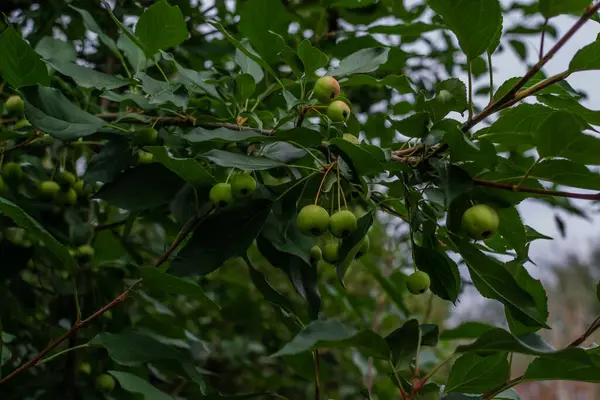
x=147 y=136
x=83 y=253
x=242 y=186
x=326 y=90
x=104 y=382
x=480 y=222
x=16 y=106
x=65 y=188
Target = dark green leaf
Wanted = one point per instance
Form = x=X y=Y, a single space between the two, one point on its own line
x=552 y=8
x=445 y=279
x=241 y=161
x=91 y=25
x=19 y=64
x=351 y=245
x=49 y=47
x=188 y=169
x=568 y=365
x=141 y=188
x=87 y=77
x=587 y=58
x=362 y=161
x=244 y=87
x=404 y=342
x=415 y=126
x=512 y=229
x=475 y=374
x=467 y=330
x=303 y=136
x=399 y=82
x=311 y=57
x=497 y=339
x=572 y=105
x=135 y=384
x=160 y=27
x=248 y=65
x=223 y=235
x=114 y=157
x=257 y=18
x=162 y=92
x=567 y=173
x=328 y=334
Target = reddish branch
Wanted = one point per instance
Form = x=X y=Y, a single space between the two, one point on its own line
x=543 y=192
x=185 y=231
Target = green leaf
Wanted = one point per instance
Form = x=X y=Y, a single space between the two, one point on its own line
x=587 y=58
x=445 y=278
x=257 y=18
x=87 y=77
x=474 y=22
x=114 y=157
x=269 y=292
x=404 y=342
x=161 y=27
x=331 y=334
x=393 y=291
x=399 y=82
x=561 y=136
x=197 y=79
x=494 y=281
x=467 y=330
x=241 y=161
x=512 y=229
x=442 y=104
x=475 y=374
x=143 y=187
x=223 y=235
x=482 y=153
x=134 y=54
x=49 y=47
x=135 y=384
x=34 y=228
x=188 y=169
x=303 y=136
x=552 y=8
x=161 y=92
x=572 y=105
x=453 y=180
x=509 y=394
x=248 y=65
x=351 y=245
x=414 y=126
x=48 y=110
x=533 y=287
x=567 y=173
x=90 y=24
x=311 y=57
x=161 y=282
x=362 y=62
x=362 y=161
x=244 y=87
x=20 y=65
x=129 y=99
x=499 y=340
x=412 y=29
x=568 y=365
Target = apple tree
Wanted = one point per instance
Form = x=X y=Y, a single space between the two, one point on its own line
x=204 y=199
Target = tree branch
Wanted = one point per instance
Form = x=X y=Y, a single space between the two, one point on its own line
x=543 y=192
x=185 y=231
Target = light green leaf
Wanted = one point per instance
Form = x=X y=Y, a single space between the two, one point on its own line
x=475 y=374
x=188 y=169
x=87 y=77
x=244 y=88
x=161 y=92
x=19 y=64
x=161 y=27
x=572 y=105
x=587 y=58
x=568 y=365
x=135 y=384
x=303 y=136
x=90 y=24
x=311 y=57
x=474 y=22
x=362 y=62
x=34 y=228
x=248 y=65
x=329 y=334
x=512 y=229
x=48 y=110
x=499 y=340
x=414 y=126
x=49 y=47
x=399 y=82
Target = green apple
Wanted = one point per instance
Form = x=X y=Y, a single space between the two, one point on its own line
x=350 y=138
x=145 y=158
x=365 y=244
x=315 y=254
x=85 y=367
x=67 y=197
x=243 y=185
x=49 y=189
x=85 y=252
x=22 y=123
x=338 y=111
x=221 y=195
x=15 y=105
x=331 y=252
x=313 y=220
x=327 y=88
x=342 y=224
x=12 y=171
x=418 y=282
x=481 y=221
x=105 y=382
x=145 y=136
x=66 y=179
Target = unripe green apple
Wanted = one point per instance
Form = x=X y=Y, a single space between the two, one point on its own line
x=350 y=138
x=105 y=382
x=418 y=282
x=85 y=367
x=67 y=197
x=315 y=254
x=338 y=111
x=331 y=252
x=66 y=179
x=313 y=220
x=145 y=158
x=12 y=171
x=481 y=221
x=365 y=244
x=342 y=224
x=327 y=88
x=243 y=185
x=49 y=189
x=221 y=195
x=22 y=123
x=145 y=136
x=85 y=252
x=15 y=105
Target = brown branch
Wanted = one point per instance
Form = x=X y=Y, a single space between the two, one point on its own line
x=185 y=231
x=543 y=192
x=182 y=121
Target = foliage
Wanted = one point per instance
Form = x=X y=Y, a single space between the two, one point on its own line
x=152 y=181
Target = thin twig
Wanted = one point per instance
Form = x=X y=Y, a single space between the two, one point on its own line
x=543 y=192
x=542 y=38
x=317 y=379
